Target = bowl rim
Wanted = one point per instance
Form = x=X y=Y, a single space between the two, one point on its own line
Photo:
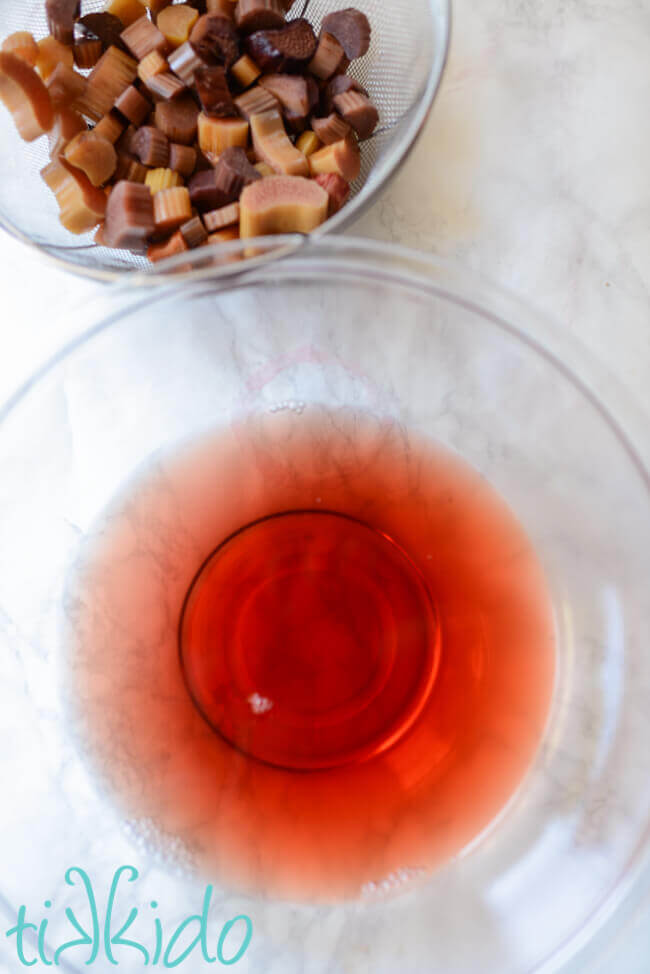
x=352 y=211
x=358 y=259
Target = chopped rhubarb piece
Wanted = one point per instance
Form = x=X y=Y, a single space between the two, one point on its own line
x=166 y=85
x=256 y=101
x=153 y=63
x=274 y=146
x=182 y=158
x=215 y=188
x=127 y=11
x=351 y=29
x=67 y=124
x=252 y=15
x=338 y=86
x=245 y=71
x=171 y=208
x=178 y=119
x=358 y=111
x=110 y=127
x=336 y=188
x=51 y=53
x=129 y=216
x=61 y=15
x=151 y=146
x=25 y=96
x=308 y=143
x=143 y=37
x=167 y=248
x=217 y=134
x=215 y=40
x=330 y=129
x=290 y=90
x=214 y=93
x=81 y=204
x=282 y=204
x=94 y=155
x=22 y=45
x=102 y=26
x=329 y=57
x=194 y=233
x=176 y=23
x=159 y=179
x=341 y=157
x=185 y=62
x=226 y=8
x=65 y=86
x=112 y=75
x=290 y=48
x=130 y=169
x=225 y=216
x=87 y=52
x=133 y=105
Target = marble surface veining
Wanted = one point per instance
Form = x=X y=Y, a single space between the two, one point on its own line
x=533 y=169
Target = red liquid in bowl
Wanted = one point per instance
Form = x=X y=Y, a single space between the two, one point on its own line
x=314 y=653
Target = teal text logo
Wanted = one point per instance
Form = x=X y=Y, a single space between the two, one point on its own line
x=104 y=939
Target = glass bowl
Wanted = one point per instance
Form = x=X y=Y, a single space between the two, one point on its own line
x=450 y=359
x=402 y=72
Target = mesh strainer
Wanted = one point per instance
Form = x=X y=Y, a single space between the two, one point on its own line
x=402 y=71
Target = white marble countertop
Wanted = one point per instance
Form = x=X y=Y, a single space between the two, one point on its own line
x=532 y=169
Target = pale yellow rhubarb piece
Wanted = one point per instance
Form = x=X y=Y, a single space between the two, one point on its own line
x=111 y=76
x=82 y=205
x=224 y=217
x=282 y=204
x=273 y=145
x=308 y=143
x=94 y=155
x=217 y=134
x=245 y=70
x=341 y=157
x=23 y=45
x=176 y=23
x=25 y=96
x=128 y=11
x=151 y=65
x=50 y=53
x=264 y=169
x=161 y=179
x=171 y=208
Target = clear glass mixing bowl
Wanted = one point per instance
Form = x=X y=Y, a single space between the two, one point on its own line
x=402 y=72
x=453 y=360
